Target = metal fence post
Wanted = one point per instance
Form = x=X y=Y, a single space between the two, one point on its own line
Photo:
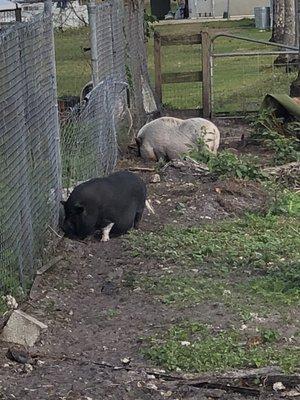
x=157 y=63
x=18 y=14
x=48 y=13
x=295 y=86
x=206 y=74
x=93 y=35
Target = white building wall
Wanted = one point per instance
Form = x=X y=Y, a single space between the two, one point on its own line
x=216 y=8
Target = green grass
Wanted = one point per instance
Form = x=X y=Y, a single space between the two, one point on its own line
x=250 y=242
x=240 y=83
x=195 y=347
x=250 y=266
x=72 y=65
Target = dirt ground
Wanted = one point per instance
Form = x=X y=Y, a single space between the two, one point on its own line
x=80 y=355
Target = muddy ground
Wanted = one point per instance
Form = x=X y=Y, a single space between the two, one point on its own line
x=77 y=356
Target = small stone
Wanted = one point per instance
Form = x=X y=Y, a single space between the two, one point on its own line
x=151 y=386
x=40 y=363
x=277 y=386
x=18 y=354
x=27 y=368
x=126 y=360
x=292 y=393
x=166 y=394
x=11 y=302
x=151 y=377
x=185 y=343
x=155 y=179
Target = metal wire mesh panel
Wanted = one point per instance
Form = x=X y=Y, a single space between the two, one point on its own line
x=240 y=83
x=88 y=135
x=136 y=57
x=118 y=48
x=29 y=153
x=245 y=71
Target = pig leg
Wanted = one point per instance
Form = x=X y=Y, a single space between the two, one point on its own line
x=137 y=219
x=105 y=232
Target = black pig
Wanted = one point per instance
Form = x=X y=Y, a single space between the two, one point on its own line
x=112 y=204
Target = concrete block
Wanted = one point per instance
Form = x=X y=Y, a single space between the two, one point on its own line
x=22 y=329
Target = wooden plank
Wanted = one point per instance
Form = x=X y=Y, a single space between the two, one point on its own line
x=175 y=40
x=182 y=77
x=187 y=113
x=157 y=65
x=207 y=75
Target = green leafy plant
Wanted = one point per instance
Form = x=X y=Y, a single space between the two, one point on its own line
x=196 y=347
x=227 y=164
x=148 y=24
x=282 y=139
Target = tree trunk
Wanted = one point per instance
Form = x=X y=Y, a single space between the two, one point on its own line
x=278 y=21
x=284 y=31
x=295 y=86
x=289 y=36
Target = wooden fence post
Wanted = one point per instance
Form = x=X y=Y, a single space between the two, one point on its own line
x=207 y=75
x=157 y=64
x=18 y=14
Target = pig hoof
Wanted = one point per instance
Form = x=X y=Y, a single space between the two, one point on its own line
x=104 y=239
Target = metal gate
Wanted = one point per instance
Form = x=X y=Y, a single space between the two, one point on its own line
x=194 y=77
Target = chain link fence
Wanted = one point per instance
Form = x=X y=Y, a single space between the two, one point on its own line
x=90 y=135
x=89 y=145
x=29 y=152
x=93 y=132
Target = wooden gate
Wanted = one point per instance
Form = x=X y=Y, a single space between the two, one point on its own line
x=203 y=76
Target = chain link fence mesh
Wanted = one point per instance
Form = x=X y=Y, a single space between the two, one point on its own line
x=93 y=132
x=89 y=146
x=29 y=152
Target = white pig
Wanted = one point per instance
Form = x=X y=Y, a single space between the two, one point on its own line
x=169 y=137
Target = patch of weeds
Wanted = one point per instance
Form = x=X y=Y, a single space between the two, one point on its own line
x=227 y=165
x=63 y=285
x=276 y=136
x=129 y=280
x=112 y=313
x=249 y=264
x=281 y=285
x=183 y=289
x=50 y=306
x=284 y=201
x=3 y=306
x=148 y=24
x=252 y=242
x=197 y=348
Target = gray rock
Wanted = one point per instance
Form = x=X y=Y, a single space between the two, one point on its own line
x=22 y=329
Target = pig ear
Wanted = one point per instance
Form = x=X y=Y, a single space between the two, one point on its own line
x=78 y=208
